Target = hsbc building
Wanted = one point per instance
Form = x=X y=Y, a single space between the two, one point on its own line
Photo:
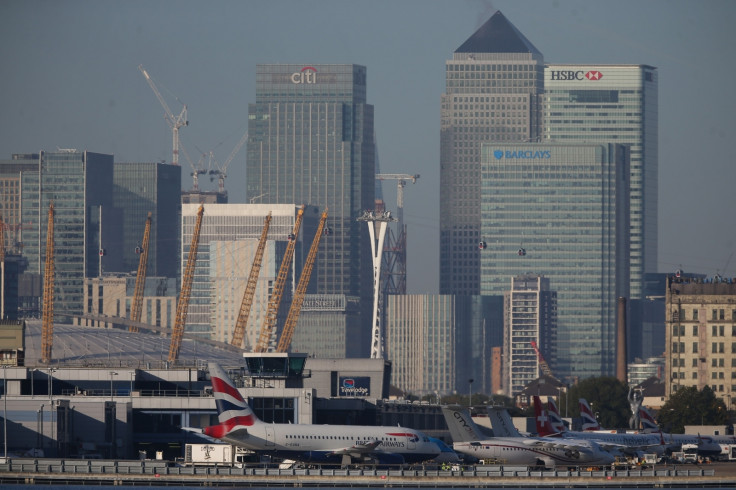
x=613 y=104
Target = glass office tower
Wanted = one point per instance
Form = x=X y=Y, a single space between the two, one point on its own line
x=494 y=85
x=141 y=188
x=311 y=142
x=561 y=211
x=613 y=104
x=85 y=222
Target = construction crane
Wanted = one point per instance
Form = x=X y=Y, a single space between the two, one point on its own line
x=175 y=122
x=221 y=171
x=269 y=323
x=542 y=363
x=250 y=287
x=182 y=306
x=140 y=278
x=394 y=266
x=301 y=289
x=402 y=180
x=47 y=318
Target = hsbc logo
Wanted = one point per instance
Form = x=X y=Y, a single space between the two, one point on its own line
x=575 y=75
x=307 y=75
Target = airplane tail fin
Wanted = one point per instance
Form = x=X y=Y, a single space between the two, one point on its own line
x=232 y=410
x=501 y=423
x=647 y=421
x=461 y=425
x=589 y=420
x=555 y=419
x=541 y=418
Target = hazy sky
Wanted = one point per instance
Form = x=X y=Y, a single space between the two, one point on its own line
x=70 y=79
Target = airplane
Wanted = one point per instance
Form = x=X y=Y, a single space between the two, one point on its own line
x=337 y=444
x=502 y=424
x=609 y=440
x=707 y=446
x=468 y=439
x=554 y=416
x=447 y=455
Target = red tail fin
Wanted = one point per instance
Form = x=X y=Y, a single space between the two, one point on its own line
x=541 y=418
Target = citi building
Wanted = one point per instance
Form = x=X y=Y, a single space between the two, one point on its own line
x=310 y=141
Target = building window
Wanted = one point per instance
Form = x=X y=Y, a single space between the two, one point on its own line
x=695 y=375
x=695 y=314
x=695 y=330
x=695 y=363
x=695 y=347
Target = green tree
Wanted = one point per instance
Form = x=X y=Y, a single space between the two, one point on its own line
x=607 y=396
x=688 y=406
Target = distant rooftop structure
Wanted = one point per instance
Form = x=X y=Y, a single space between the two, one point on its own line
x=497 y=35
x=111 y=347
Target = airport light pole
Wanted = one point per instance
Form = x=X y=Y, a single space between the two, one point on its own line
x=112 y=373
x=5 y=410
x=470 y=395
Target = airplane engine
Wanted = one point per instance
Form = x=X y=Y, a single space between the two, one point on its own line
x=572 y=453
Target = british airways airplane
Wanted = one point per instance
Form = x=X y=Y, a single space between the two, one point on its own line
x=710 y=446
x=337 y=444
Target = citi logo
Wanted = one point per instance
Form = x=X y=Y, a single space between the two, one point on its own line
x=307 y=75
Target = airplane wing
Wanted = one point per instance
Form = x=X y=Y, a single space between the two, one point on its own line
x=356 y=450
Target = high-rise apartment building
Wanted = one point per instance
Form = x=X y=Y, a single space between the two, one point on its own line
x=494 y=86
x=613 y=104
x=701 y=335
x=443 y=343
x=139 y=189
x=310 y=141
x=561 y=211
x=86 y=226
x=529 y=323
x=10 y=178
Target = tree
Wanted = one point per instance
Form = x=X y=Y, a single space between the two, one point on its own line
x=688 y=406
x=607 y=397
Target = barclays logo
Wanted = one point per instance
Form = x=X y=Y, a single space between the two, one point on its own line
x=532 y=155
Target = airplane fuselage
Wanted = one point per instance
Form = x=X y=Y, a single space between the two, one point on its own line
x=518 y=450
x=329 y=443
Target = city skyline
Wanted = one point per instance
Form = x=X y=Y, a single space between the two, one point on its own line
x=74 y=82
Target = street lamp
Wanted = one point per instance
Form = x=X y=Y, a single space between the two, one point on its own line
x=5 y=410
x=470 y=394
x=112 y=373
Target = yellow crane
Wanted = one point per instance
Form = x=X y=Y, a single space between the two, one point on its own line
x=542 y=363
x=250 y=287
x=182 y=306
x=140 y=278
x=269 y=323
x=47 y=318
x=301 y=289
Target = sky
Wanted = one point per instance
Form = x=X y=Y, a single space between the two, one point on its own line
x=70 y=79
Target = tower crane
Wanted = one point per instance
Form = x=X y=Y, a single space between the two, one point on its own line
x=140 y=278
x=250 y=287
x=182 y=306
x=542 y=363
x=402 y=179
x=47 y=318
x=221 y=171
x=269 y=323
x=175 y=122
x=301 y=289
x=394 y=267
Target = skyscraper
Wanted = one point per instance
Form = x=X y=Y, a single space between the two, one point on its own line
x=494 y=85
x=561 y=211
x=311 y=142
x=613 y=104
x=85 y=222
x=140 y=188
